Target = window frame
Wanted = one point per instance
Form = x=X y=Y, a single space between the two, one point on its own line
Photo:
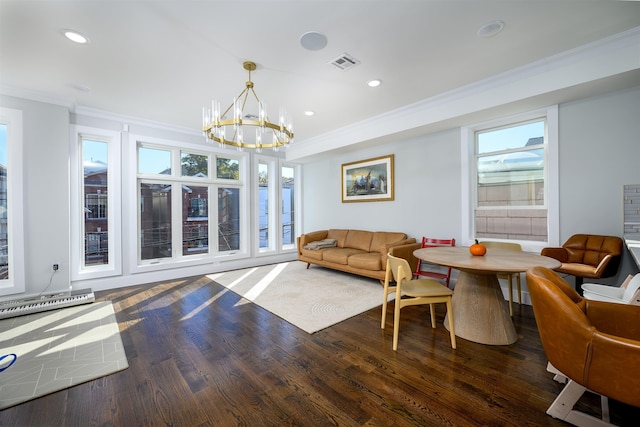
x=551 y=174
x=275 y=223
x=113 y=139
x=178 y=259
x=16 y=283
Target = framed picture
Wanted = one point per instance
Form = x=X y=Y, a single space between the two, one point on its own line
x=368 y=180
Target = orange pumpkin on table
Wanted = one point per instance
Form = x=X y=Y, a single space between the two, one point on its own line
x=477 y=249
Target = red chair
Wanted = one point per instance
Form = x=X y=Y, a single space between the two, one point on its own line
x=435 y=272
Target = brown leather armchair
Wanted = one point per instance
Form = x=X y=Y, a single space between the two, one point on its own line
x=587 y=255
x=592 y=343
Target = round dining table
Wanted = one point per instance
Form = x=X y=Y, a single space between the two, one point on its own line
x=479 y=311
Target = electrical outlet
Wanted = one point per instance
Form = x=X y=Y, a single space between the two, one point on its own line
x=55 y=267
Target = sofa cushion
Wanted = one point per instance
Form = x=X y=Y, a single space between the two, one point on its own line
x=366 y=261
x=339 y=235
x=312 y=253
x=359 y=239
x=339 y=255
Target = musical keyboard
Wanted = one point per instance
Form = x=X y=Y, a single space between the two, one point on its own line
x=21 y=307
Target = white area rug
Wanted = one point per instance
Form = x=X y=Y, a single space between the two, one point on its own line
x=57 y=349
x=311 y=299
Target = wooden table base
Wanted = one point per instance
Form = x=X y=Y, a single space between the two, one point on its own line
x=479 y=310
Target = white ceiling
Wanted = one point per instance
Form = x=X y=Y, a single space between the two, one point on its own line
x=164 y=60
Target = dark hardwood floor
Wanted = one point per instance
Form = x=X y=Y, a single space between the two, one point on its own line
x=201 y=356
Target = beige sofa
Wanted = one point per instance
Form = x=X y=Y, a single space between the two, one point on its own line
x=355 y=251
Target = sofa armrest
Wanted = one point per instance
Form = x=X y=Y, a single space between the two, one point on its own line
x=405 y=251
x=307 y=238
x=557 y=253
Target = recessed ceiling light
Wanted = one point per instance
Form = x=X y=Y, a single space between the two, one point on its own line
x=374 y=83
x=75 y=36
x=313 y=40
x=309 y=113
x=491 y=29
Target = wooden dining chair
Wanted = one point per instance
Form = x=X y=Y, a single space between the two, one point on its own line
x=508 y=246
x=413 y=292
x=425 y=269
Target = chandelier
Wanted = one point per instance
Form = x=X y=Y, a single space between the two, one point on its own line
x=245 y=124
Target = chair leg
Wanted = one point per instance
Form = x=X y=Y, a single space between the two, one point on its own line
x=452 y=332
x=562 y=407
x=579 y=282
x=385 y=301
x=432 y=310
x=384 y=310
x=510 y=295
x=519 y=289
x=396 y=323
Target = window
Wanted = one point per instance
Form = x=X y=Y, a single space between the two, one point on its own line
x=288 y=207
x=12 y=276
x=96 y=209
x=177 y=192
x=263 y=205
x=513 y=179
x=276 y=202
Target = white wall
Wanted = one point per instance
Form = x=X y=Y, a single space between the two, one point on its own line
x=45 y=192
x=427 y=190
x=599 y=150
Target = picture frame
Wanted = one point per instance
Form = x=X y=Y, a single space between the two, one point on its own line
x=369 y=180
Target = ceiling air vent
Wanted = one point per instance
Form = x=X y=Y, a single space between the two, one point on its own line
x=345 y=62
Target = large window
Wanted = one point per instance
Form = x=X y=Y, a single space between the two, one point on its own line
x=276 y=204
x=513 y=179
x=288 y=194
x=190 y=203
x=11 y=226
x=95 y=212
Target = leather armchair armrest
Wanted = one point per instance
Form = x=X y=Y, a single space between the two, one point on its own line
x=603 y=265
x=557 y=253
x=621 y=320
x=605 y=374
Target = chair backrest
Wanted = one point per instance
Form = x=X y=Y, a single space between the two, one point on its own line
x=399 y=268
x=590 y=249
x=429 y=242
x=507 y=246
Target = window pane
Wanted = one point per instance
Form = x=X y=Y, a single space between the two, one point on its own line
x=95 y=187
x=511 y=183
x=155 y=221
x=228 y=219
x=514 y=137
x=195 y=220
x=227 y=168
x=4 y=225
x=288 y=211
x=195 y=165
x=263 y=207
x=151 y=160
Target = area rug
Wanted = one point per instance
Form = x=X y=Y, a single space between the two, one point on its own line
x=45 y=352
x=312 y=299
